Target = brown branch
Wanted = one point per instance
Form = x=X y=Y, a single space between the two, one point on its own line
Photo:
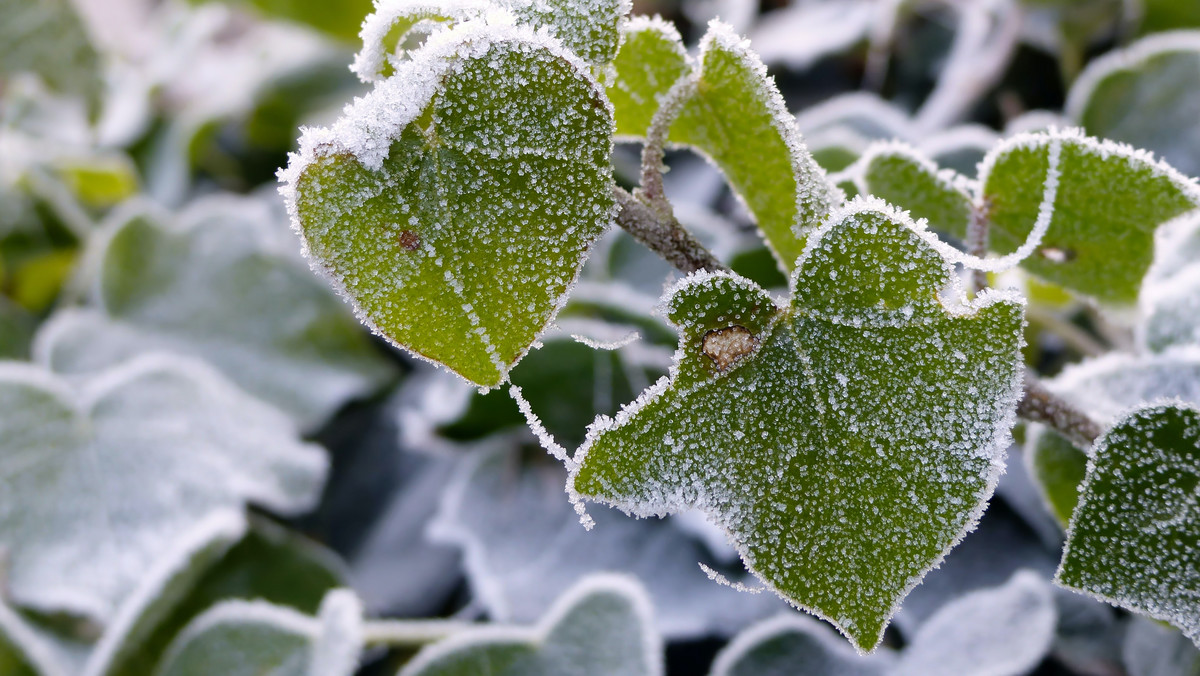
x=663 y=235
x=977 y=244
x=1043 y=406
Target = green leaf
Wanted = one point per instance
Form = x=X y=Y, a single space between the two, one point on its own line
x=1145 y=95
x=80 y=457
x=253 y=638
x=867 y=411
x=28 y=650
x=598 y=628
x=900 y=175
x=49 y=38
x=792 y=644
x=591 y=29
x=1133 y=538
x=131 y=644
x=735 y=115
x=455 y=203
x=1151 y=648
x=339 y=19
x=1105 y=387
x=651 y=59
x=269 y=564
x=1087 y=200
x=222 y=284
x=17 y=327
x=522 y=547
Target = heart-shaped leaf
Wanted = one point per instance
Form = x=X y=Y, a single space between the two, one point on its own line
x=455 y=203
x=735 y=115
x=523 y=547
x=651 y=59
x=846 y=441
x=1144 y=95
x=1133 y=538
x=900 y=175
x=600 y=627
x=248 y=638
x=221 y=284
x=87 y=467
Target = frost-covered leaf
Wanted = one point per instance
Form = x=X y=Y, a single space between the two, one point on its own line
x=651 y=59
x=1105 y=387
x=268 y=563
x=1145 y=95
x=1171 y=311
x=128 y=646
x=1152 y=649
x=736 y=116
x=455 y=203
x=1003 y=631
x=222 y=287
x=48 y=37
x=784 y=424
x=793 y=644
x=253 y=638
x=900 y=175
x=601 y=626
x=87 y=468
x=523 y=547
x=1087 y=199
x=28 y=650
x=591 y=29
x=17 y=327
x=1133 y=538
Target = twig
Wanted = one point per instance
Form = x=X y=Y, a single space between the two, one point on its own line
x=663 y=234
x=977 y=244
x=411 y=632
x=655 y=148
x=1042 y=405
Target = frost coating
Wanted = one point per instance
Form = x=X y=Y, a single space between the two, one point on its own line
x=456 y=202
x=737 y=118
x=1133 y=538
x=84 y=517
x=869 y=407
x=652 y=58
x=787 y=645
x=897 y=173
x=247 y=638
x=590 y=28
x=601 y=626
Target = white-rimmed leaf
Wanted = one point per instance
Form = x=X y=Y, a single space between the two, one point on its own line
x=1145 y=95
x=600 y=627
x=901 y=175
x=1133 y=537
x=101 y=476
x=251 y=638
x=736 y=116
x=523 y=547
x=652 y=57
x=1152 y=649
x=455 y=203
x=29 y=650
x=784 y=423
x=48 y=38
x=1003 y=631
x=793 y=644
x=223 y=287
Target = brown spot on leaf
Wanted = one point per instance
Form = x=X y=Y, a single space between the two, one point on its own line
x=726 y=346
x=409 y=240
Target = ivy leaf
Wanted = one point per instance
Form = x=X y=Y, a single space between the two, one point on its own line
x=785 y=424
x=1133 y=537
x=599 y=627
x=736 y=116
x=1144 y=95
x=1091 y=198
x=80 y=461
x=898 y=174
x=591 y=29
x=1003 y=631
x=455 y=203
x=225 y=288
x=49 y=38
x=792 y=644
x=248 y=638
x=523 y=547
x=267 y=564
x=1105 y=387
x=651 y=59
